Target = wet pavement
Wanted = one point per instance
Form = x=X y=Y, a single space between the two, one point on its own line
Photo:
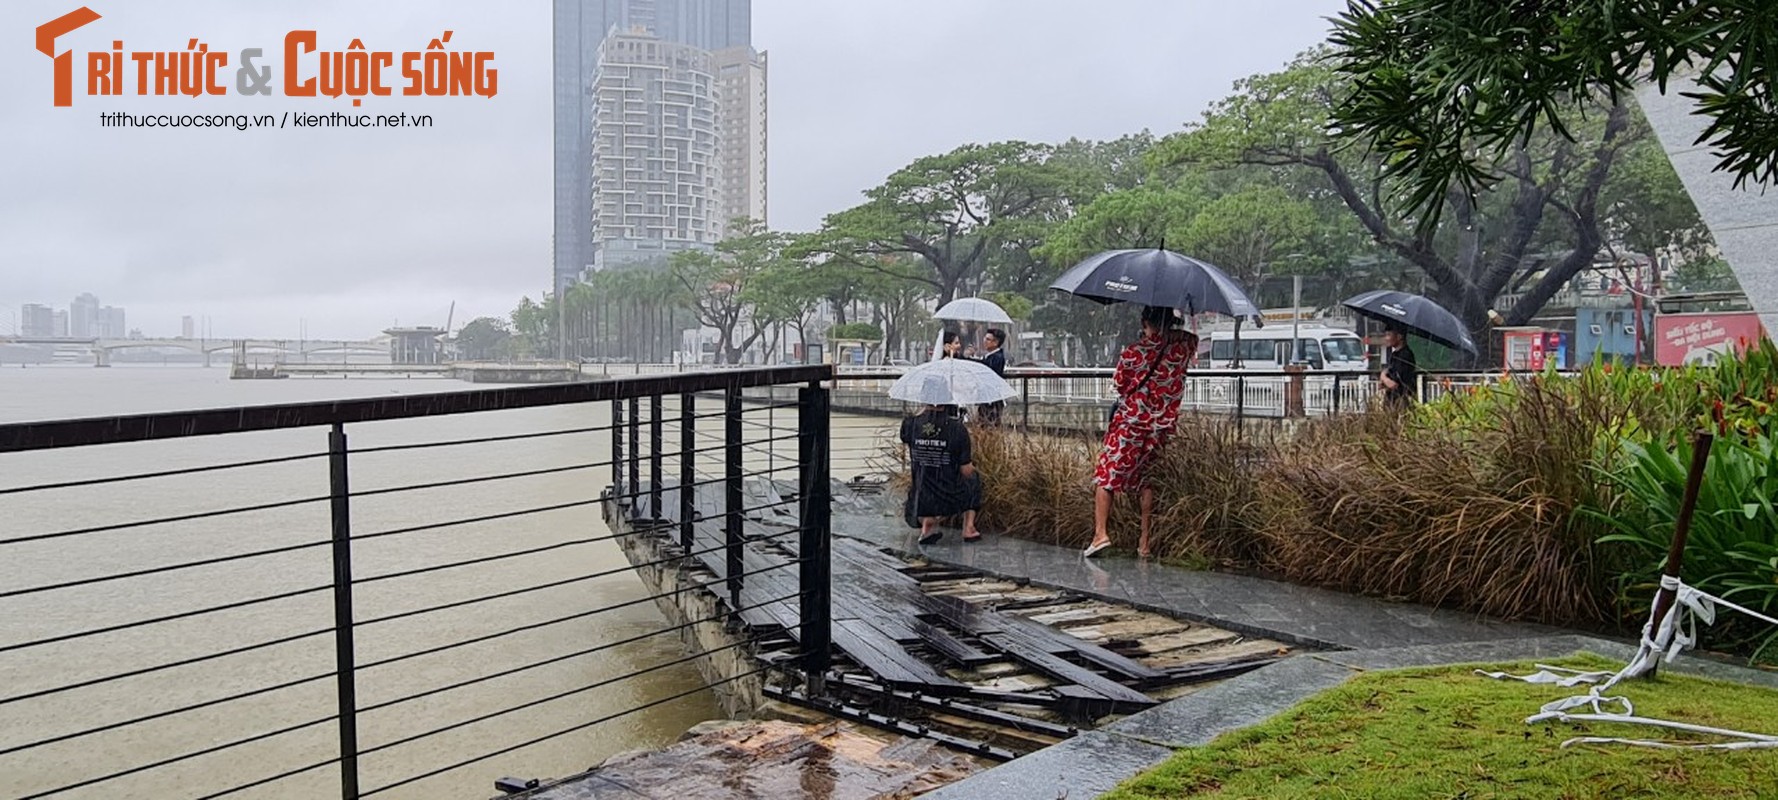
x=772 y=759
x=1298 y=615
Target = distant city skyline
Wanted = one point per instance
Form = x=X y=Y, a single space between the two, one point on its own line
x=345 y=233
x=84 y=317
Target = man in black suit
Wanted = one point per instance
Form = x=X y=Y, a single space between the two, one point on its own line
x=995 y=359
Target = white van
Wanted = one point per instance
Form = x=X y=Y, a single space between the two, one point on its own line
x=1268 y=348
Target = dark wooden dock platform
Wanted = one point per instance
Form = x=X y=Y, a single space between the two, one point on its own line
x=985 y=664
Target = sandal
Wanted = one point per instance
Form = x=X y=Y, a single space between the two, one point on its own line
x=972 y=539
x=1094 y=549
x=932 y=538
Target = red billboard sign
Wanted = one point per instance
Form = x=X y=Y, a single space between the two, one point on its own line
x=1704 y=337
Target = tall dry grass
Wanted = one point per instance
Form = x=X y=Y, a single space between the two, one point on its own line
x=1475 y=517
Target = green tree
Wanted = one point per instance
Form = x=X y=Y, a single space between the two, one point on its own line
x=719 y=285
x=1247 y=231
x=1281 y=120
x=1705 y=275
x=1141 y=216
x=947 y=210
x=1647 y=210
x=1445 y=90
x=485 y=339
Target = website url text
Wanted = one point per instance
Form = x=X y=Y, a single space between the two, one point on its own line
x=241 y=122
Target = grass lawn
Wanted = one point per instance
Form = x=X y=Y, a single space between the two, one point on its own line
x=1445 y=732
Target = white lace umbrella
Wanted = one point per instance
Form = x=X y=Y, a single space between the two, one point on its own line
x=973 y=309
x=951 y=382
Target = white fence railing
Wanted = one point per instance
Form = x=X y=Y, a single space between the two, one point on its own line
x=1247 y=393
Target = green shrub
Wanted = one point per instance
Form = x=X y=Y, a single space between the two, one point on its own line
x=1732 y=548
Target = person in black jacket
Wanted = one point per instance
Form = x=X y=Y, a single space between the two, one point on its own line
x=945 y=481
x=1401 y=373
x=995 y=359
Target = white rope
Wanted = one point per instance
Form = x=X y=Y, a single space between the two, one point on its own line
x=1676 y=632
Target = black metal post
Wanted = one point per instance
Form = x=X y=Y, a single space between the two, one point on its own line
x=815 y=576
x=634 y=455
x=345 y=656
x=617 y=447
x=654 y=458
x=732 y=482
x=1336 y=397
x=688 y=467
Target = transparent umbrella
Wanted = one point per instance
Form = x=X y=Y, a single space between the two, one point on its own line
x=973 y=309
x=951 y=382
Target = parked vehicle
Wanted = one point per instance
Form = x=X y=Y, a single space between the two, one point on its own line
x=1318 y=347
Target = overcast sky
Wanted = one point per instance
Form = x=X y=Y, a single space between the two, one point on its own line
x=343 y=232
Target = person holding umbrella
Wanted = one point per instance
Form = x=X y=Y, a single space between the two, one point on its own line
x=1150 y=381
x=1402 y=313
x=1400 y=376
x=1150 y=374
x=945 y=480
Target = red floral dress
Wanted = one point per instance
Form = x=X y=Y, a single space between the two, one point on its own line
x=1145 y=415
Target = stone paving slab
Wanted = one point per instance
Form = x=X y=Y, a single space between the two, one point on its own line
x=1298 y=615
x=1085 y=766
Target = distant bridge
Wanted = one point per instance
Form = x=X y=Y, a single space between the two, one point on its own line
x=102 y=348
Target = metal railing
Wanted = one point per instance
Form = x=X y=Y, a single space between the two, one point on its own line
x=319 y=628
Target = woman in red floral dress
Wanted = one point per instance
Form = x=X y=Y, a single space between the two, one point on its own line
x=1150 y=382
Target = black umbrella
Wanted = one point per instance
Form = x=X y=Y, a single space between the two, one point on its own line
x=1415 y=314
x=1157 y=278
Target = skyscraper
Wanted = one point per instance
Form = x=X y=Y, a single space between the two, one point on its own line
x=580 y=28
x=83 y=316
x=36 y=320
x=741 y=133
x=653 y=150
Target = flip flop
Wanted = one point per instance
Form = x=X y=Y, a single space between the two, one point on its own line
x=972 y=539
x=932 y=538
x=1093 y=549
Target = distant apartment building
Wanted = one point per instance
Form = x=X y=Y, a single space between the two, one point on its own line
x=59 y=324
x=187 y=326
x=109 y=324
x=654 y=151
x=741 y=133
x=587 y=235
x=83 y=315
x=36 y=320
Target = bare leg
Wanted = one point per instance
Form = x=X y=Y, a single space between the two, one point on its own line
x=1101 y=515
x=1147 y=517
x=969 y=531
x=926 y=524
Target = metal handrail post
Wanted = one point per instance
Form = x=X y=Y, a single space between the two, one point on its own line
x=654 y=458
x=732 y=529
x=345 y=656
x=688 y=467
x=634 y=456
x=815 y=579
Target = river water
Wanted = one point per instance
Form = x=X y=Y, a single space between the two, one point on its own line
x=67 y=391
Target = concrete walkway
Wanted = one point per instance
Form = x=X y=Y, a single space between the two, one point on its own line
x=1300 y=615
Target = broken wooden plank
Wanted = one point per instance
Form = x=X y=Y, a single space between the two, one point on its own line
x=941 y=641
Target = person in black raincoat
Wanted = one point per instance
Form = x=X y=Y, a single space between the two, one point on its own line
x=945 y=482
